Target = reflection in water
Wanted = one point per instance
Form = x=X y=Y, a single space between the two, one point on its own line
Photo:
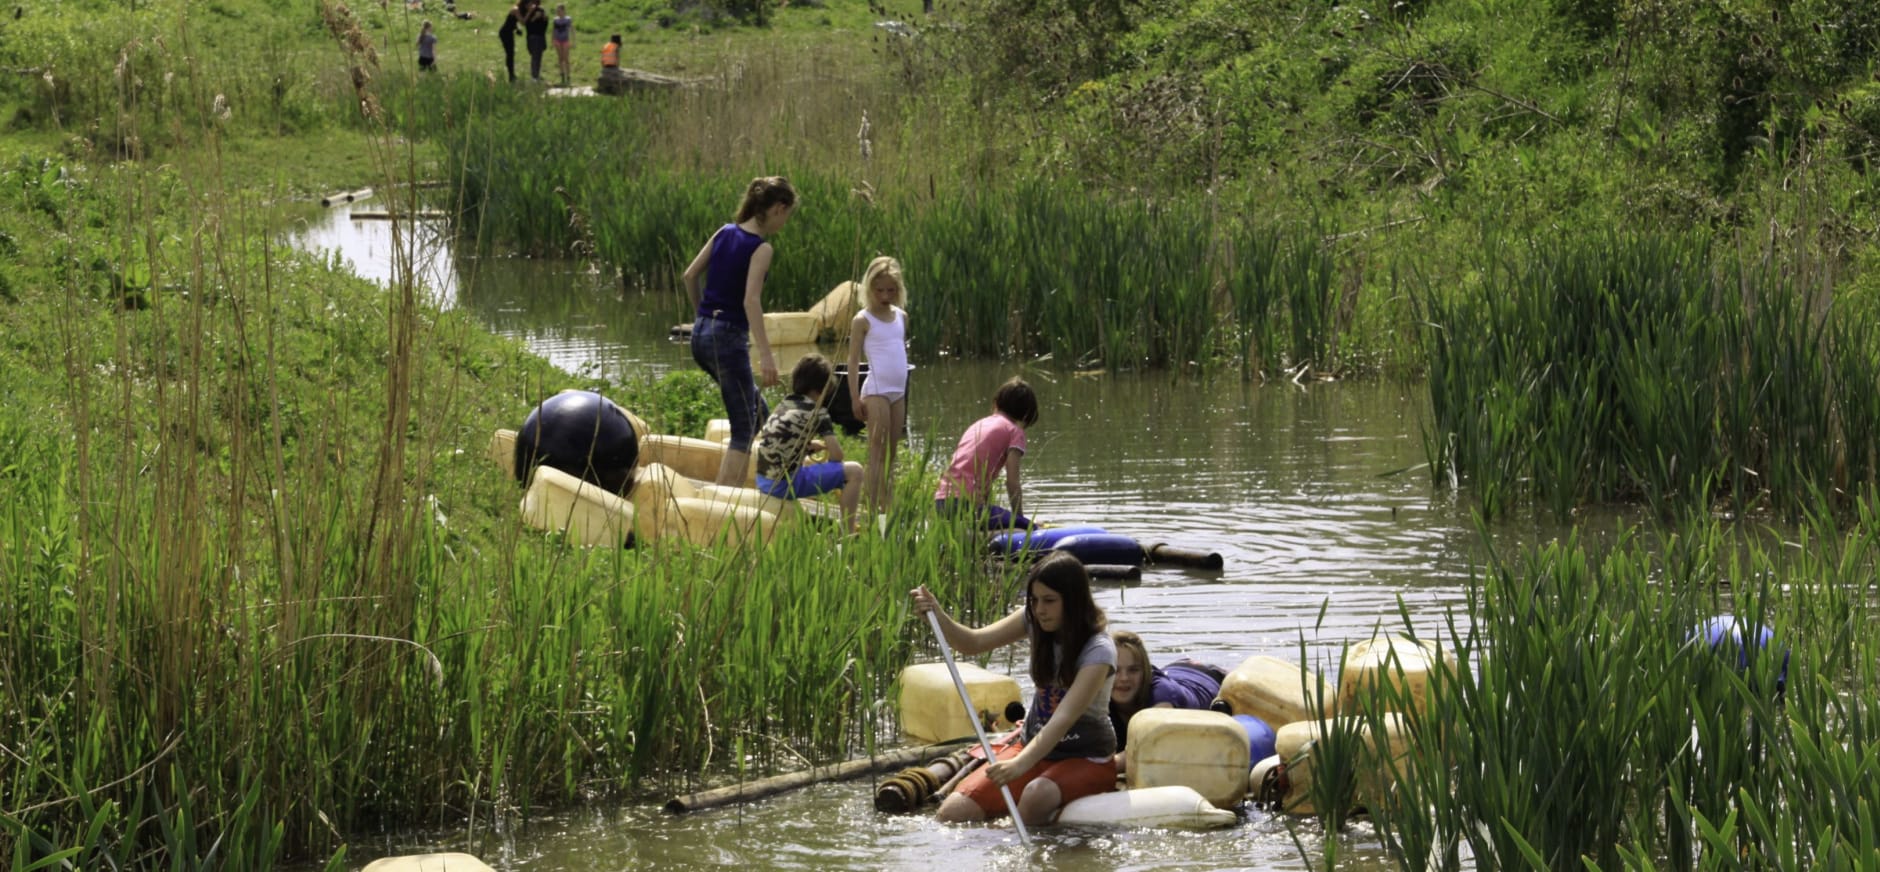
x=1303 y=491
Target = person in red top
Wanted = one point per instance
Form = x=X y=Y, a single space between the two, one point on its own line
x=992 y=443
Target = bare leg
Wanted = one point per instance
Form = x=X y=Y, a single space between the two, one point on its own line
x=956 y=809
x=731 y=470
x=1039 y=805
x=895 y=433
x=880 y=444
x=851 y=493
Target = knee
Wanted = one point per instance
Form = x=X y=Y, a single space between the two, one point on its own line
x=958 y=809
x=851 y=472
x=1040 y=801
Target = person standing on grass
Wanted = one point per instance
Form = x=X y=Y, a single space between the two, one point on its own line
x=427 y=48
x=992 y=443
x=564 y=40
x=535 y=27
x=730 y=312
x=507 y=36
x=880 y=332
x=1067 y=748
x=786 y=442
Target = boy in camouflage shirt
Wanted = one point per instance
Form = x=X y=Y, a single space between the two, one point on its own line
x=787 y=438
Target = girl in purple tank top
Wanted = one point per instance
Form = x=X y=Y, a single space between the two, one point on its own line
x=730 y=312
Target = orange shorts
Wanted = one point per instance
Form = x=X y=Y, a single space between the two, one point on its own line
x=1075 y=778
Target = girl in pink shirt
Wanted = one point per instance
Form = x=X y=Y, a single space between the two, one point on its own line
x=994 y=442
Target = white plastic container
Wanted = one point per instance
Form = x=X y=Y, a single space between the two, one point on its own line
x=718 y=430
x=708 y=523
x=557 y=501
x=930 y=706
x=1203 y=750
x=1172 y=806
x=1273 y=690
x=428 y=863
x=1393 y=662
x=502 y=451
x=655 y=495
x=1296 y=742
x=785 y=510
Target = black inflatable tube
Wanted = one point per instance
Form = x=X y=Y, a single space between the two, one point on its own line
x=1162 y=553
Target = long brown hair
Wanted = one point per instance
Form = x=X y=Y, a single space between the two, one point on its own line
x=1065 y=575
x=763 y=193
x=1141 y=698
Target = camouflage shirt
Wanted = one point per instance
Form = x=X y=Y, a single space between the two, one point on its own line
x=784 y=441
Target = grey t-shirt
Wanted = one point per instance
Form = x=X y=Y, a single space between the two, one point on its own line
x=1091 y=736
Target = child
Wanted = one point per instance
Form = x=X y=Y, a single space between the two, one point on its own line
x=427 y=48
x=785 y=441
x=564 y=40
x=880 y=329
x=731 y=312
x=1067 y=745
x=610 y=54
x=1184 y=684
x=991 y=443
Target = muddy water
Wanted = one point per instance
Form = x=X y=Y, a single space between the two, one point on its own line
x=1313 y=494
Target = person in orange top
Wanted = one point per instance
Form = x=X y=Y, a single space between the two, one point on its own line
x=610 y=54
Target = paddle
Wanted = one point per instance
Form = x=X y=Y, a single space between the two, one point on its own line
x=966 y=699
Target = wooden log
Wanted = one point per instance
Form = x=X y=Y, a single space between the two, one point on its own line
x=335 y=199
x=387 y=215
x=1113 y=572
x=750 y=790
x=1189 y=557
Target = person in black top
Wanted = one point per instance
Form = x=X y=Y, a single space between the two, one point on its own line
x=507 y=34
x=535 y=25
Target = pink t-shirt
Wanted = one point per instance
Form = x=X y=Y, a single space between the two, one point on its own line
x=979 y=458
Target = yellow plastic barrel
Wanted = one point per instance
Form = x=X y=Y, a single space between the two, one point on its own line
x=836 y=310
x=930 y=706
x=1273 y=690
x=790 y=328
x=1295 y=743
x=557 y=501
x=708 y=523
x=1204 y=750
x=718 y=430
x=1393 y=662
x=655 y=494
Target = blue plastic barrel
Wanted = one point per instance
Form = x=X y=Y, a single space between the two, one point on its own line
x=1041 y=539
x=1102 y=548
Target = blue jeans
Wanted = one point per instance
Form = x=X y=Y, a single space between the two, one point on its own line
x=723 y=350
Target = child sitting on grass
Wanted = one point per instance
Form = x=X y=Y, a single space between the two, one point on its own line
x=785 y=441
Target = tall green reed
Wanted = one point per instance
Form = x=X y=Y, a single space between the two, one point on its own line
x=1025 y=267
x=1588 y=725
x=1667 y=369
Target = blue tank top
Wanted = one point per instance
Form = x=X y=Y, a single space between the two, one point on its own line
x=725 y=274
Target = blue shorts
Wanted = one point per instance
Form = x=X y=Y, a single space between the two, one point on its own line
x=819 y=478
x=995 y=517
x=723 y=350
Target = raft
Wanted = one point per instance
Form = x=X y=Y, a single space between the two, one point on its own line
x=692 y=458
x=588 y=515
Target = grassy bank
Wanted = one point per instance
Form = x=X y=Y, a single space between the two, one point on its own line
x=262 y=591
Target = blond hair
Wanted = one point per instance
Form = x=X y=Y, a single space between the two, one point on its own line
x=885 y=266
